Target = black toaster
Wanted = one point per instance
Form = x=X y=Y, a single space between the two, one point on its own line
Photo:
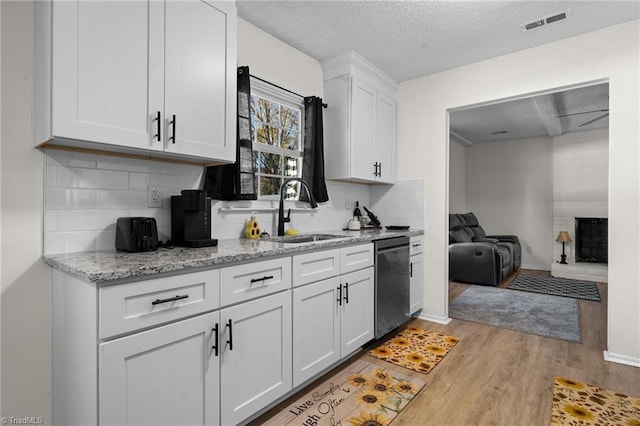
x=134 y=234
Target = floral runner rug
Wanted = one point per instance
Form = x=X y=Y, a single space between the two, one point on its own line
x=416 y=349
x=576 y=403
x=361 y=394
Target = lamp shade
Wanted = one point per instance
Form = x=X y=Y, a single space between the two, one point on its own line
x=564 y=237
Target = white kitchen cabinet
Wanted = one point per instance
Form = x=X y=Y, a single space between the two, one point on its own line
x=333 y=317
x=255 y=355
x=360 y=122
x=155 y=78
x=316 y=328
x=356 y=323
x=416 y=273
x=165 y=376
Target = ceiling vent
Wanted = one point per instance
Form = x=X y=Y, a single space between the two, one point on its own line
x=546 y=20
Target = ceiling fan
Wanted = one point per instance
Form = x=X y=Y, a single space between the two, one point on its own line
x=600 y=117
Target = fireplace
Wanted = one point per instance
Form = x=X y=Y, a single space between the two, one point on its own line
x=591 y=240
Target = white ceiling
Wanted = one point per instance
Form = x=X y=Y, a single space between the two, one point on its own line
x=409 y=39
x=548 y=115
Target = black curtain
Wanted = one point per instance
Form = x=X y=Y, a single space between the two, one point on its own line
x=236 y=181
x=313 y=157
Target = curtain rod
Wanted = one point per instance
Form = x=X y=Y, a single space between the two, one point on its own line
x=282 y=88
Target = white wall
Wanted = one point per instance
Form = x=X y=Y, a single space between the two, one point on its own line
x=457 y=177
x=26 y=280
x=509 y=188
x=423 y=150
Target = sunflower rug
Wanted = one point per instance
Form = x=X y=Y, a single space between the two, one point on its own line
x=361 y=394
x=576 y=403
x=415 y=348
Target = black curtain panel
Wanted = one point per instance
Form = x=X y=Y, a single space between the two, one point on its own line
x=313 y=157
x=236 y=181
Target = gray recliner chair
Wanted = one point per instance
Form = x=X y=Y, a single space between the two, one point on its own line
x=510 y=241
x=478 y=259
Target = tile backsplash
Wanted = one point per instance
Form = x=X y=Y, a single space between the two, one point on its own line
x=86 y=193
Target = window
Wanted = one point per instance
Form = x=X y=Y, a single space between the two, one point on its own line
x=276 y=133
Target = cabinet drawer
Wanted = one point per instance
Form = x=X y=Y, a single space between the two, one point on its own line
x=415 y=246
x=355 y=258
x=251 y=280
x=128 y=307
x=311 y=267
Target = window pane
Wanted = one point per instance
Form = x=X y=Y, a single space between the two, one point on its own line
x=269 y=185
x=290 y=140
x=291 y=166
x=269 y=164
x=265 y=111
x=291 y=191
x=290 y=118
x=266 y=135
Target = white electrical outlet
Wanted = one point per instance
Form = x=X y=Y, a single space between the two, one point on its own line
x=154 y=198
x=528 y=249
x=348 y=203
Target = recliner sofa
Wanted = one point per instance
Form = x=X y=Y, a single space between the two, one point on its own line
x=478 y=258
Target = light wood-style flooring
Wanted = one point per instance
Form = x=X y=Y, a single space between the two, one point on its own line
x=496 y=376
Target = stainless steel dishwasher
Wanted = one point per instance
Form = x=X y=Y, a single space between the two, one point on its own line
x=391 y=284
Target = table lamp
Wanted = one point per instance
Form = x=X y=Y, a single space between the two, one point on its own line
x=563 y=237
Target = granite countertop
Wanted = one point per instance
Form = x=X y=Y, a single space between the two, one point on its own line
x=110 y=265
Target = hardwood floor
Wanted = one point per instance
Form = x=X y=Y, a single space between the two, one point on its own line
x=496 y=376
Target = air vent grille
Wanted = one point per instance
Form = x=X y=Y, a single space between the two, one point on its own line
x=546 y=20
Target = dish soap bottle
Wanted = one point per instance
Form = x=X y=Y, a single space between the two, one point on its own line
x=252 y=230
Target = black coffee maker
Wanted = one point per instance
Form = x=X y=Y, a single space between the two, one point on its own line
x=191 y=219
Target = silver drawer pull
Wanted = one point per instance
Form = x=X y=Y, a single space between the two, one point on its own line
x=170 y=299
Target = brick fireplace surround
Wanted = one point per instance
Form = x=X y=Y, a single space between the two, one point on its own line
x=580 y=190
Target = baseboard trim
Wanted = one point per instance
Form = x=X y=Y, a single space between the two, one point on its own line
x=435 y=318
x=621 y=359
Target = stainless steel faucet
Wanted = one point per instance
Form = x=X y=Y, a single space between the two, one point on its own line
x=281 y=218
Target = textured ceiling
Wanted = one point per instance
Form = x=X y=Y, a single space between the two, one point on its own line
x=546 y=115
x=409 y=39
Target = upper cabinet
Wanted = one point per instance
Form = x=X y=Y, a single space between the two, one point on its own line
x=148 y=77
x=360 y=121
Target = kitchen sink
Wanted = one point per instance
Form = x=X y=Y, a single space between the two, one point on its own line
x=305 y=238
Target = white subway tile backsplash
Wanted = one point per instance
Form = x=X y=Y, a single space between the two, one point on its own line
x=107 y=199
x=66 y=199
x=91 y=178
x=86 y=193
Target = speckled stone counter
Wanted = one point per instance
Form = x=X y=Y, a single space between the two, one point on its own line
x=105 y=266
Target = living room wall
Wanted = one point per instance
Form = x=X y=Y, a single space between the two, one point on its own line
x=611 y=54
x=509 y=187
x=457 y=177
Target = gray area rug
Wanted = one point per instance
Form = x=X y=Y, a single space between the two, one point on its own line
x=541 y=314
x=578 y=289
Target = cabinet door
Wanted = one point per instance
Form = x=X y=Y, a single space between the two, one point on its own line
x=201 y=78
x=385 y=148
x=316 y=328
x=108 y=71
x=416 y=283
x=256 y=355
x=357 y=310
x=165 y=376
x=363 y=104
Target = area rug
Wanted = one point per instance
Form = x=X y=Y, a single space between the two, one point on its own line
x=576 y=403
x=361 y=394
x=577 y=289
x=415 y=348
x=541 y=314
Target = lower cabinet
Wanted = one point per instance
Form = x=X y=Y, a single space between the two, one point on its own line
x=216 y=368
x=416 y=273
x=331 y=319
x=168 y=375
x=255 y=359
